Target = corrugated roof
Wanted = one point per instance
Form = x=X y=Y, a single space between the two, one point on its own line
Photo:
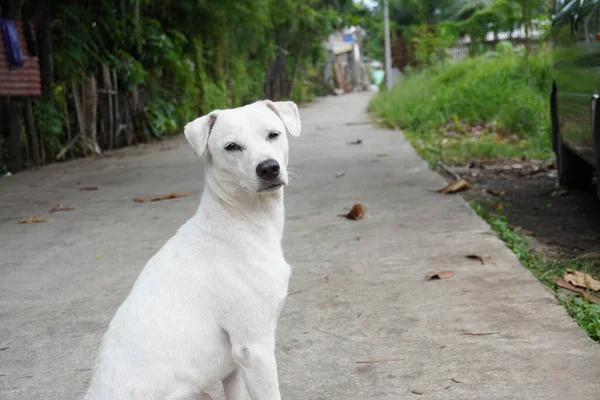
x=24 y=81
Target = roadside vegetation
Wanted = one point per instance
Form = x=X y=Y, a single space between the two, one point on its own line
x=490 y=109
x=165 y=62
x=492 y=106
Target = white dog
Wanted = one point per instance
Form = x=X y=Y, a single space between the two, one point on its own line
x=205 y=308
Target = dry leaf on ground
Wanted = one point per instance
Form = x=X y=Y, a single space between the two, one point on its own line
x=357 y=141
x=384 y=154
x=416 y=392
x=457 y=186
x=357 y=212
x=439 y=275
x=60 y=207
x=581 y=279
x=31 y=220
x=99 y=256
x=340 y=173
x=89 y=188
x=476 y=257
x=566 y=285
x=172 y=195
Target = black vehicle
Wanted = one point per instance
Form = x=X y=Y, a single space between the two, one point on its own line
x=575 y=39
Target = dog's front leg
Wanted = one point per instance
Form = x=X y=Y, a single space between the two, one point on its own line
x=235 y=387
x=259 y=370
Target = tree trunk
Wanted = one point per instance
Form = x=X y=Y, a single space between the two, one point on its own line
x=90 y=109
x=44 y=43
x=14 y=110
x=277 y=74
x=525 y=10
x=32 y=135
x=296 y=68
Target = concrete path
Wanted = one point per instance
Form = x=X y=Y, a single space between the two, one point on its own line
x=360 y=322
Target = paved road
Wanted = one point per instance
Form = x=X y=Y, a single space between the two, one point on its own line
x=360 y=322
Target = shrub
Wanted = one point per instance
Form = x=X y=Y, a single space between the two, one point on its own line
x=506 y=89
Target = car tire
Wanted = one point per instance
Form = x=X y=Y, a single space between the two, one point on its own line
x=597 y=147
x=573 y=171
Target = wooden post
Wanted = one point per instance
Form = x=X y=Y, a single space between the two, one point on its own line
x=78 y=111
x=90 y=110
x=109 y=93
x=117 y=120
x=32 y=135
x=14 y=110
x=68 y=126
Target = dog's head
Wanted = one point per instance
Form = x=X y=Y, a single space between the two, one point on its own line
x=247 y=146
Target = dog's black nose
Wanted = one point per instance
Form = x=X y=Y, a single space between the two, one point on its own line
x=268 y=170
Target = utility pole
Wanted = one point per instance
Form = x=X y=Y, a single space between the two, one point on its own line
x=388 y=49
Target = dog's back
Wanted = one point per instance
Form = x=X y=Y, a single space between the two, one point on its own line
x=166 y=330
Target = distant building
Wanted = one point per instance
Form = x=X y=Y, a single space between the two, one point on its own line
x=345 y=69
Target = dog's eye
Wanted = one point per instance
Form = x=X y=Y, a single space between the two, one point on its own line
x=233 y=147
x=273 y=135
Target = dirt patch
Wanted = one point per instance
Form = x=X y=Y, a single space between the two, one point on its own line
x=563 y=223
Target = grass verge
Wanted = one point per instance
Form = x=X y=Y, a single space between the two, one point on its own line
x=586 y=314
x=494 y=106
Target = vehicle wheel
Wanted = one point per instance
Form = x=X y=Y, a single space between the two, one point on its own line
x=597 y=149
x=573 y=171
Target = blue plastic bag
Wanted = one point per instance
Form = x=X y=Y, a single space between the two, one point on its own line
x=12 y=44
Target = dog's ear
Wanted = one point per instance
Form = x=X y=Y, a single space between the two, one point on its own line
x=288 y=112
x=198 y=131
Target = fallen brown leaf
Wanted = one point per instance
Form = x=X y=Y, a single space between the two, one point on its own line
x=89 y=188
x=581 y=279
x=60 y=207
x=455 y=380
x=357 y=141
x=439 y=275
x=476 y=257
x=457 y=186
x=340 y=173
x=172 y=195
x=384 y=154
x=31 y=220
x=416 y=392
x=357 y=212
x=566 y=285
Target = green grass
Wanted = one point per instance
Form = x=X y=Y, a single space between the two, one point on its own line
x=507 y=93
x=585 y=313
